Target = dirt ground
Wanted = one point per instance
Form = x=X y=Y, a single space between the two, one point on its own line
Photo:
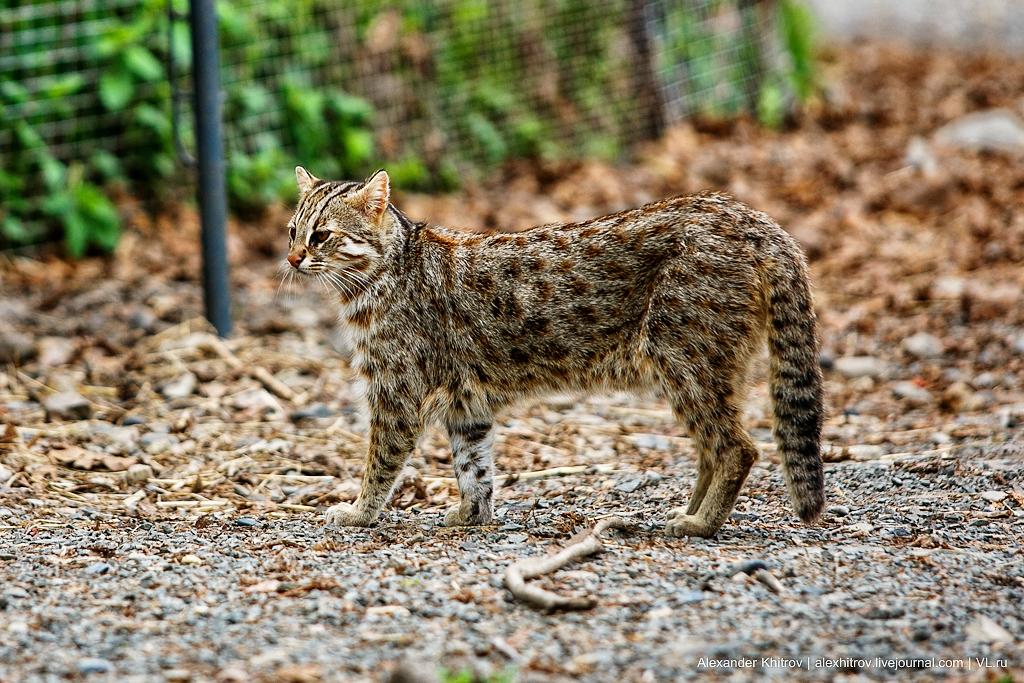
x=134 y=444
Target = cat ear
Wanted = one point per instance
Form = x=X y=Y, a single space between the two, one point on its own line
x=372 y=197
x=305 y=179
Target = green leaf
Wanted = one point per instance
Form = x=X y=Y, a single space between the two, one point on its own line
x=151 y=117
x=358 y=146
x=14 y=230
x=54 y=172
x=143 y=64
x=116 y=89
x=76 y=234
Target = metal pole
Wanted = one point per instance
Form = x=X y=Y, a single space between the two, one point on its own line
x=211 y=193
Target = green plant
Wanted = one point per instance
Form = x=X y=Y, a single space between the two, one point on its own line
x=466 y=676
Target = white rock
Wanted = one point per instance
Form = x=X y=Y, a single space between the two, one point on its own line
x=68 y=405
x=257 y=400
x=183 y=386
x=54 y=351
x=863 y=452
x=994 y=496
x=860 y=366
x=984 y=630
x=920 y=156
x=947 y=288
x=5 y=474
x=994 y=129
x=1018 y=344
x=912 y=393
x=923 y=345
x=861 y=528
x=123 y=437
x=139 y=474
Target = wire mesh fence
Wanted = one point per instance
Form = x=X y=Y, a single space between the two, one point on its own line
x=434 y=90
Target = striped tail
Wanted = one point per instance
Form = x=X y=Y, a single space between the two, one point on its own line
x=794 y=380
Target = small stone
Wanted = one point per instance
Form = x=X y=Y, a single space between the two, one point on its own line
x=748 y=567
x=155 y=443
x=15 y=592
x=5 y=474
x=130 y=420
x=191 y=559
x=629 y=486
x=5 y=513
x=994 y=496
x=15 y=346
x=125 y=437
x=839 y=510
x=517 y=538
x=93 y=665
x=912 y=393
x=920 y=156
x=923 y=345
x=182 y=387
x=313 y=411
x=232 y=675
x=256 y=400
x=940 y=438
x=985 y=380
x=68 y=405
x=246 y=521
x=144 y=319
x=177 y=675
x=1018 y=343
x=959 y=397
x=860 y=366
x=138 y=474
x=993 y=129
x=984 y=630
x=861 y=528
x=98 y=568
x=863 y=452
x=826 y=359
x=303 y=316
x=54 y=351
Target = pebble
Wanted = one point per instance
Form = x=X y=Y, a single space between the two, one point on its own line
x=138 y=474
x=256 y=400
x=5 y=474
x=177 y=675
x=839 y=510
x=985 y=630
x=863 y=452
x=747 y=567
x=912 y=393
x=1018 y=343
x=185 y=385
x=959 y=397
x=826 y=359
x=191 y=559
x=15 y=346
x=246 y=521
x=54 y=351
x=629 y=486
x=994 y=496
x=98 y=568
x=124 y=437
x=853 y=367
x=93 y=665
x=992 y=129
x=311 y=412
x=155 y=443
x=68 y=405
x=923 y=345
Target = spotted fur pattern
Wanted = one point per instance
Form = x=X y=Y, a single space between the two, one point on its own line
x=454 y=327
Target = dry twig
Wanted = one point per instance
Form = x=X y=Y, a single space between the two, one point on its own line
x=517 y=574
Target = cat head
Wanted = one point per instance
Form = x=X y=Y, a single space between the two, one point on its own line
x=340 y=230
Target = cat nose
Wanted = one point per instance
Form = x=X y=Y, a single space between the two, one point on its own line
x=295 y=259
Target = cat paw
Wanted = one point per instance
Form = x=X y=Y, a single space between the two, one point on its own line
x=344 y=514
x=463 y=516
x=678 y=523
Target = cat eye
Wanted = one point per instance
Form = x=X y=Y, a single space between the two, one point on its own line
x=318 y=237
x=291 y=234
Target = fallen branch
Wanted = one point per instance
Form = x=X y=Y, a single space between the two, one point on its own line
x=517 y=574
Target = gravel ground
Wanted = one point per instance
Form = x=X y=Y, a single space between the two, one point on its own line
x=161 y=491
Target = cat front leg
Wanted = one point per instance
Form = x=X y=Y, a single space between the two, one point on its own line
x=391 y=441
x=474 y=469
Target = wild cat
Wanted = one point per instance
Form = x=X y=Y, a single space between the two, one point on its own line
x=455 y=327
